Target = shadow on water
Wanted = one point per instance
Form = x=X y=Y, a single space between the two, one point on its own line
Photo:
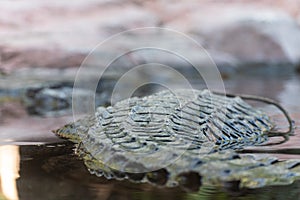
x=54 y=172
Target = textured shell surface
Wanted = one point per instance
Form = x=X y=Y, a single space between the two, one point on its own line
x=167 y=134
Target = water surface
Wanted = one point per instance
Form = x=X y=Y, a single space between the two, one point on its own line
x=33 y=170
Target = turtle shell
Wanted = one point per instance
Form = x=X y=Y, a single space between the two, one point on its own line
x=158 y=137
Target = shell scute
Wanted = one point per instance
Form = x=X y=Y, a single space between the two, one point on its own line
x=166 y=130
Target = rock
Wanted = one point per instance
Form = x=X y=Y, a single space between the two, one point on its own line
x=267 y=37
x=60 y=34
x=255 y=35
x=14 y=58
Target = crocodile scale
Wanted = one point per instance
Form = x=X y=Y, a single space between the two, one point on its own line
x=169 y=135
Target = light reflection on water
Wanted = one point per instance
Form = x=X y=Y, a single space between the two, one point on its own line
x=9 y=171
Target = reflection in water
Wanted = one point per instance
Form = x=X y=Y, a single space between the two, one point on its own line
x=53 y=172
x=289 y=192
x=9 y=170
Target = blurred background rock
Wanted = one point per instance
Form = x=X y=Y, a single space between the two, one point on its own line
x=46 y=41
x=59 y=34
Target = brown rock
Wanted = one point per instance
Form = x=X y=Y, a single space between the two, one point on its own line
x=13 y=58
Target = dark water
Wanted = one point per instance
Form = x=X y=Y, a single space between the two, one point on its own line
x=52 y=171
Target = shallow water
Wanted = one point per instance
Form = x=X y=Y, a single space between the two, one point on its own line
x=30 y=171
x=52 y=172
